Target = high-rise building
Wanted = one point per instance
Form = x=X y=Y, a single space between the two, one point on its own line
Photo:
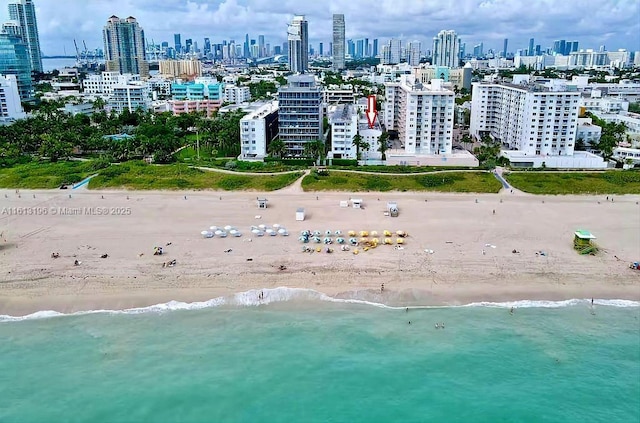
x=300 y=114
x=261 y=50
x=530 y=51
x=15 y=60
x=188 y=44
x=178 y=43
x=24 y=12
x=374 y=53
x=351 y=48
x=504 y=49
x=446 y=46
x=320 y=49
x=478 y=50
x=10 y=104
x=207 y=46
x=246 y=53
x=574 y=46
x=338 y=42
x=124 y=46
x=529 y=118
x=413 y=53
x=359 y=49
x=431 y=105
x=395 y=52
x=298 y=38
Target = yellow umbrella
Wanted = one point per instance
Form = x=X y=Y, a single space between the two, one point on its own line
x=399 y=241
x=374 y=233
x=388 y=241
x=364 y=233
x=375 y=241
x=352 y=233
x=364 y=240
x=387 y=232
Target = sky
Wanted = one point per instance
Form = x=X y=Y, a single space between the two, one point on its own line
x=613 y=23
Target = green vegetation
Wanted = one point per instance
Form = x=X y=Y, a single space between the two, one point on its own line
x=488 y=153
x=139 y=175
x=338 y=165
x=262 y=90
x=606 y=182
x=612 y=134
x=46 y=175
x=634 y=107
x=442 y=182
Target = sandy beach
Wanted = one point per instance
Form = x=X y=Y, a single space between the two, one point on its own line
x=472 y=257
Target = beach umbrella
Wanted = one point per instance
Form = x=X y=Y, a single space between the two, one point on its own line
x=387 y=232
x=364 y=233
x=218 y=232
x=213 y=228
x=283 y=232
x=316 y=233
x=399 y=241
x=317 y=239
x=340 y=240
x=276 y=225
x=303 y=239
x=364 y=240
x=223 y=234
x=263 y=227
x=206 y=234
x=353 y=241
x=328 y=232
x=388 y=241
x=236 y=233
x=305 y=233
x=269 y=230
x=327 y=240
x=351 y=233
x=374 y=233
x=228 y=228
x=375 y=241
x=401 y=233
x=338 y=232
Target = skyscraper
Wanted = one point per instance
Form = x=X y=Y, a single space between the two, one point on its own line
x=178 y=43
x=338 y=42
x=395 y=51
x=207 y=46
x=298 y=38
x=321 y=49
x=504 y=49
x=446 y=46
x=374 y=53
x=124 y=46
x=245 y=51
x=24 y=12
x=300 y=113
x=413 y=53
x=261 y=50
x=15 y=60
x=530 y=51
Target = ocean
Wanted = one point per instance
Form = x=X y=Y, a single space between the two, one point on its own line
x=298 y=356
x=49 y=65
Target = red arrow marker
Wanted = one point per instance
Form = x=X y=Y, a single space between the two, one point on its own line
x=372 y=113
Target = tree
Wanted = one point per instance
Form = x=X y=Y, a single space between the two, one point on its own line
x=580 y=145
x=382 y=147
x=277 y=148
x=55 y=147
x=315 y=149
x=488 y=151
x=360 y=144
x=466 y=139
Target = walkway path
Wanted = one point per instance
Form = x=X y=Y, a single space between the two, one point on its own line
x=296 y=187
x=234 y=172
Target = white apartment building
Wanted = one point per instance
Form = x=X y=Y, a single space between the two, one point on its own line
x=10 y=105
x=338 y=94
x=343 y=119
x=422 y=114
x=631 y=122
x=135 y=95
x=588 y=132
x=257 y=129
x=527 y=117
x=236 y=94
x=103 y=83
x=599 y=105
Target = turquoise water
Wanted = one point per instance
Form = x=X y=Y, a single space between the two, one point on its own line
x=318 y=361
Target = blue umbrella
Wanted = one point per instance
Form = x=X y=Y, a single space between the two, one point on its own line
x=340 y=240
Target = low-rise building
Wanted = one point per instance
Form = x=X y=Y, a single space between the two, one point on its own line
x=338 y=94
x=588 y=132
x=459 y=77
x=236 y=94
x=102 y=84
x=185 y=69
x=257 y=129
x=130 y=97
x=209 y=107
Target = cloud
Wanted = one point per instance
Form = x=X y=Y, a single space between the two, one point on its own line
x=595 y=22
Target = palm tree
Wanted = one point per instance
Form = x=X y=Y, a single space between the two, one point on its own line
x=277 y=148
x=382 y=147
x=315 y=149
x=360 y=144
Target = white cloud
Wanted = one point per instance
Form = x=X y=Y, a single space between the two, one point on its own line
x=594 y=22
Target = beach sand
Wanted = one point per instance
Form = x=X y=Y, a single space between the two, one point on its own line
x=454 y=226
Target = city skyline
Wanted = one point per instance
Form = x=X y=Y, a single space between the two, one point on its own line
x=475 y=21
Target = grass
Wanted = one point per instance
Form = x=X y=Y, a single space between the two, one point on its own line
x=609 y=182
x=444 y=182
x=45 y=175
x=401 y=169
x=189 y=155
x=141 y=176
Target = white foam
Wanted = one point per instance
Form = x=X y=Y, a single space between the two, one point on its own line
x=253 y=298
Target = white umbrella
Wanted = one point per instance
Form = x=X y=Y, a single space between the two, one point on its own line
x=283 y=231
x=227 y=228
x=276 y=225
x=255 y=231
x=237 y=234
x=218 y=232
x=233 y=231
x=213 y=228
x=223 y=234
x=263 y=227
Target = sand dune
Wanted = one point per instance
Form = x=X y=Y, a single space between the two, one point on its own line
x=454 y=226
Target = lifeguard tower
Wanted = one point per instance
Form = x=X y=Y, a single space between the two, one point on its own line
x=583 y=242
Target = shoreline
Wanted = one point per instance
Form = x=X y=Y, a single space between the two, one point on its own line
x=458 y=250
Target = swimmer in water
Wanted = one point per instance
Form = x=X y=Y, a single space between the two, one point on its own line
x=512 y=310
x=437 y=325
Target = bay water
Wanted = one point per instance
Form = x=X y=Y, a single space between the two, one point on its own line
x=297 y=356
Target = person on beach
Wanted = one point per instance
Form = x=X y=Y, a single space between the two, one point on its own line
x=382 y=288
x=512 y=310
x=591 y=301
